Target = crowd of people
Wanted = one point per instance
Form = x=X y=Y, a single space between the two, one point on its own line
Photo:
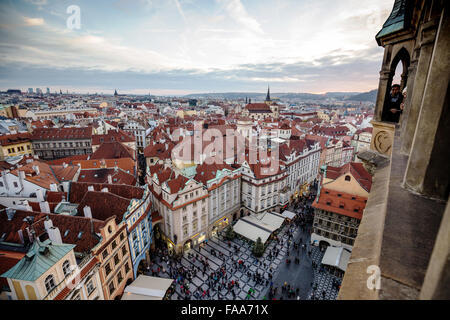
x=222 y=280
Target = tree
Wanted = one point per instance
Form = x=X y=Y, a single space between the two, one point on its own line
x=229 y=233
x=258 y=248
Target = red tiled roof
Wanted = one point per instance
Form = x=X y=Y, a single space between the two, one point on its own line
x=206 y=172
x=61 y=133
x=6 y=263
x=104 y=205
x=258 y=107
x=177 y=183
x=113 y=150
x=159 y=150
x=112 y=136
x=68 y=160
x=356 y=169
x=101 y=176
x=76 y=230
x=347 y=204
x=126 y=164
x=11 y=139
x=79 y=189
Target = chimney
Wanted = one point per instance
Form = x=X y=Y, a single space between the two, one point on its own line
x=20 y=233
x=10 y=213
x=37 y=170
x=5 y=181
x=109 y=179
x=53 y=187
x=54 y=235
x=87 y=212
x=91 y=188
x=105 y=190
x=44 y=207
x=48 y=223
x=39 y=195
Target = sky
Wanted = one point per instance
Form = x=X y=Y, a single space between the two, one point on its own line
x=176 y=47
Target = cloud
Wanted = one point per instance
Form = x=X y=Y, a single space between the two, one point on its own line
x=237 y=11
x=33 y=21
x=38 y=2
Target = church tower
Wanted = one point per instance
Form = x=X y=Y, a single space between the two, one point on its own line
x=268 y=101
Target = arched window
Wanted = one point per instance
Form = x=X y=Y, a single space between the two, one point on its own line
x=66 y=267
x=50 y=283
x=347 y=178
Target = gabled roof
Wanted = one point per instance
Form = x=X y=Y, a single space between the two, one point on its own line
x=104 y=205
x=40 y=258
x=177 y=183
x=79 y=231
x=346 y=204
x=356 y=169
x=113 y=150
x=206 y=172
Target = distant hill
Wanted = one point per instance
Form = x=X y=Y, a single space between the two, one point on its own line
x=350 y=96
x=370 y=96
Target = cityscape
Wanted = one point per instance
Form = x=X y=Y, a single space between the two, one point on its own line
x=120 y=182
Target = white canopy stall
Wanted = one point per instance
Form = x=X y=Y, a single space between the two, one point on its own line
x=147 y=288
x=288 y=214
x=337 y=257
x=262 y=225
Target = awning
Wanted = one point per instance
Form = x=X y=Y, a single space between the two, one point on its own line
x=288 y=214
x=273 y=219
x=336 y=257
x=147 y=288
x=251 y=231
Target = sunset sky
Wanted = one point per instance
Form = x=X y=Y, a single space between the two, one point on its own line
x=192 y=46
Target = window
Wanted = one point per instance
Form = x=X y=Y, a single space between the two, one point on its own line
x=111 y=287
x=127 y=267
x=119 y=277
x=122 y=236
x=116 y=259
x=15 y=185
x=105 y=254
x=124 y=251
x=347 y=178
x=50 y=283
x=90 y=287
x=66 y=267
x=77 y=297
x=114 y=244
x=107 y=269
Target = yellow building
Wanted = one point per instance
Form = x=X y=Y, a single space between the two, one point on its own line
x=15 y=145
x=47 y=272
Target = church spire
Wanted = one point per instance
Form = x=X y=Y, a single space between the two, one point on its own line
x=268 y=94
